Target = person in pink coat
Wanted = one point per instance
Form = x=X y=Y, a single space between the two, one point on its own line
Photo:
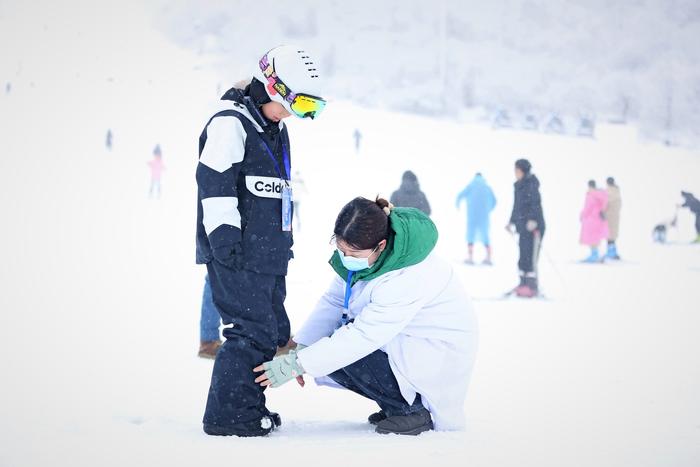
x=157 y=168
x=594 y=226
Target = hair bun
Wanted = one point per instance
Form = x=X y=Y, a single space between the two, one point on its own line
x=384 y=204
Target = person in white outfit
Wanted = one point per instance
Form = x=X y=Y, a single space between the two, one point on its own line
x=396 y=325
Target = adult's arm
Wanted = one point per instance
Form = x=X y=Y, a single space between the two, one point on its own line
x=393 y=304
x=325 y=317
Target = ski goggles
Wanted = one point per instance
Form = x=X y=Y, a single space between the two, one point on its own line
x=302 y=105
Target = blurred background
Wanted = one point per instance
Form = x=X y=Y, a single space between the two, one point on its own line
x=625 y=62
x=100 y=298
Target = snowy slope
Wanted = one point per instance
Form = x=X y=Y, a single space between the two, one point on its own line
x=100 y=295
x=633 y=60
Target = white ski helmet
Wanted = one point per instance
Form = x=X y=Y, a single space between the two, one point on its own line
x=297 y=70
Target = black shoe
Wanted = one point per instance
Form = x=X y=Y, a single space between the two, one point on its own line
x=376 y=417
x=533 y=283
x=412 y=424
x=276 y=419
x=262 y=426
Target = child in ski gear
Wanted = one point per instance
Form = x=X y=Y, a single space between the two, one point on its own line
x=395 y=325
x=244 y=220
x=658 y=235
x=594 y=226
x=527 y=219
x=157 y=168
x=692 y=203
x=209 y=321
x=409 y=194
x=612 y=214
x=480 y=202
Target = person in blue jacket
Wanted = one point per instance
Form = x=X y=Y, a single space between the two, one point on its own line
x=480 y=202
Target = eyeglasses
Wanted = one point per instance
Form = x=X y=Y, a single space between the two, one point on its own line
x=334 y=242
x=303 y=105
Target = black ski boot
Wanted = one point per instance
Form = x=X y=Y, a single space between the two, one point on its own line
x=262 y=426
x=412 y=424
x=276 y=419
x=529 y=288
x=376 y=417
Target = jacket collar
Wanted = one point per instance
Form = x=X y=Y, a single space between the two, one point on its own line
x=239 y=96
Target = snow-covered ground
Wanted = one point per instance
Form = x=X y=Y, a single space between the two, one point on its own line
x=100 y=295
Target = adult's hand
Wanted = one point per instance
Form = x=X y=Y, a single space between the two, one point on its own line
x=279 y=370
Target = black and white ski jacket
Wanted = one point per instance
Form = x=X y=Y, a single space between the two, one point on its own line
x=239 y=199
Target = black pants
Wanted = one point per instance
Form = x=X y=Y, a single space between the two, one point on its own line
x=529 y=243
x=254 y=304
x=372 y=378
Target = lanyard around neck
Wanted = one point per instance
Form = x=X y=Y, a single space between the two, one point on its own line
x=348 y=290
x=287 y=163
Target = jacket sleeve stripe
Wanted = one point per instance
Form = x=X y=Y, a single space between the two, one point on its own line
x=221 y=210
x=225 y=144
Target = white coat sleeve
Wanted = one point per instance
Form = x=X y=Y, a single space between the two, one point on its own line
x=393 y=304
x=326 y=316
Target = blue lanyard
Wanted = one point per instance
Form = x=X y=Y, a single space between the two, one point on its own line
x=287 y=163
x=348 y=290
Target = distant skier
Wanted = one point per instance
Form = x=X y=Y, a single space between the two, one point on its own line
x=108 y=140
x=300 y=191
x=209 y=322
x=358 y=138
x=8 y=87
x=409 y=194
x=527 y=219
x=658 y=235
x=594 y=226
x=157 y=168
x=612 y=214
x=480 y=202
x=692 y=203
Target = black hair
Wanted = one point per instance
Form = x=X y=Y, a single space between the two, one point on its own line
x=610 y=181
x=591 y=183
x=524 y=165
x=362 y=223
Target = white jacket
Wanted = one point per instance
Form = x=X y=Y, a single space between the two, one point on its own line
x=420 y=316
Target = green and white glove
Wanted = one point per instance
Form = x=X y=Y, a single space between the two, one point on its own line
x=283 y=369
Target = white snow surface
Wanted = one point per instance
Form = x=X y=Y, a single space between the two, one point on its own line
x=100 y=295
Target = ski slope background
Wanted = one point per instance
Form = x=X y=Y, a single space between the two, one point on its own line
x=100 y=295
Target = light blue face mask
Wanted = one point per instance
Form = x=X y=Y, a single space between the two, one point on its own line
x=355 y=264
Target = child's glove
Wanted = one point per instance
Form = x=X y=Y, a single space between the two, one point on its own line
x=280 y=370
x=228 y=255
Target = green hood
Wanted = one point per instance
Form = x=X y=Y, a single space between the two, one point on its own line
x=412 y=237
